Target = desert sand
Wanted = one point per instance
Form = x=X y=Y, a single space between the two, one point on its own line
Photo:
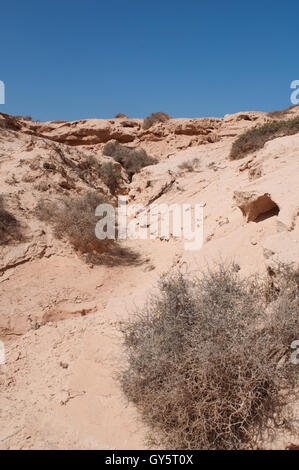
x=59 y=316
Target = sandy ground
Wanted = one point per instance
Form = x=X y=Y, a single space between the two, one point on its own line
x=60 y=317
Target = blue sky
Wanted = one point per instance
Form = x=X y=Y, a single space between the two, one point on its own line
x=72 y=60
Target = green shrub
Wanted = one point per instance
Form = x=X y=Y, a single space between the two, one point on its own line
x=132 y=159
x=255 y=139
x=154 y=118
x=203 y=358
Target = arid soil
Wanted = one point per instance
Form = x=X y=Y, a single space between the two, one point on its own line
x=60 y=316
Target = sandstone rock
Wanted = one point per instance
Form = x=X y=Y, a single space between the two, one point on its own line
x=254 y=205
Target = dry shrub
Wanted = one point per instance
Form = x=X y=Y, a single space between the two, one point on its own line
x=89 y=164
x=26 y=118
x=281 y=113
x=203 y=359
x=74 y=218
x=132 y=159
x=9 y=122
x=154 y=118
x=90 y=170
x=189 y=165
x=111 y=174
x=255 y=139
x=121 y=116
x=10 y=227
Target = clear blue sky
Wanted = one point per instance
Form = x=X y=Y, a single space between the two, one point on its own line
x=72 y=60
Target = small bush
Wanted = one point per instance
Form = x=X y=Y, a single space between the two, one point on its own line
x=121 y=116
x=111 y=174
x=9 y=122
x=90 y=170
x=190 y=165
x=133 y=160
x=281 y=113
x=74 y=218
x=26 y=118
x=10 y=227
x=154 y=118
x=255 y=139
x=204 y=355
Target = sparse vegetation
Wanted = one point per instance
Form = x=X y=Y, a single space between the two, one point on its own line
x=10 y=227
x=154 y=118
x=90 y=170
x=42 y=186
x=281 y=113
x=208 y=358
x=190 y=165
x=132 y=159
x=111 y=174
x=9 y=122
x=121 y=116
x=255 y=139
x=74 y=218
x=26 y=118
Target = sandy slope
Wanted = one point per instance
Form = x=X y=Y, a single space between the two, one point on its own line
x=59 y=317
